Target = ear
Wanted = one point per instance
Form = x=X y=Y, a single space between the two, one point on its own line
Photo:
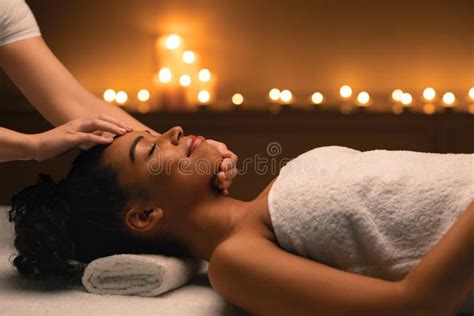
x=143 y=220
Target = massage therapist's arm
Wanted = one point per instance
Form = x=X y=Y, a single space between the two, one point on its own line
x=264 y=279
x=47 y=145
x=51 y=88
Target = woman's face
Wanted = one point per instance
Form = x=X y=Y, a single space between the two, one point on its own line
x=170 y=170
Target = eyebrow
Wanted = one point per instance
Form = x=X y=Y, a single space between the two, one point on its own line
x=133 y=147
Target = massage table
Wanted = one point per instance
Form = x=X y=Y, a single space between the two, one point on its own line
x=19 y=296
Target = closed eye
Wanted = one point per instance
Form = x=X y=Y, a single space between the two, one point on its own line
x=152 y=150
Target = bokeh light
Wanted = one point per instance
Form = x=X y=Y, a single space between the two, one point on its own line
x=189 y=57
x=345 y=91
x=204 y=96
x=165 y=75
x=143 y=95
x=237 y=99
x=406 y=98
x=185 y=80
x=363 y=98
x=286 y=96
x=449 y=98
x=429 y=94
x=471 y=93
x=121 y=97
x=173 y=41
x=317 y=98
x=274 y=94
x=109 y=95
x=397 y=95
x=204 y=75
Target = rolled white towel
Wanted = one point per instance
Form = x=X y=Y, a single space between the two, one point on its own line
x=141 y=275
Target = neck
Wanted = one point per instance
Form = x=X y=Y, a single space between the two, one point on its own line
x=210 y=223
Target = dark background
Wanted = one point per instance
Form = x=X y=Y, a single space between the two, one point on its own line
x=253 y=46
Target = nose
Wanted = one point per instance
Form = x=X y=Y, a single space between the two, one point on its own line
x=174 y=134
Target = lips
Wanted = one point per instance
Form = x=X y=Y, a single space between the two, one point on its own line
x=193 y=143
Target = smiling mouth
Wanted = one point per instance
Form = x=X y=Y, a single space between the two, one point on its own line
x=193 y=143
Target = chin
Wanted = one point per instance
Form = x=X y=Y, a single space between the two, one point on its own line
x=207 y=156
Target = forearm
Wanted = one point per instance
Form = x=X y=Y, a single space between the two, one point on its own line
x=14 y=146
x=51 y=88
x=444 y=279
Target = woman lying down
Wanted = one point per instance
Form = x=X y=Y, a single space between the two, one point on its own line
x=338 y=231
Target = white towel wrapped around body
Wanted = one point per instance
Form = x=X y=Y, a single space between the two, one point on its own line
x=140 y=275
x=375 y=213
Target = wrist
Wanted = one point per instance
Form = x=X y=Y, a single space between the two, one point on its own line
x=29 y=146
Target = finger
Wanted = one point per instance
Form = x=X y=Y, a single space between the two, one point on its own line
x=228 y=164
x=113 y=120
x=224 y=185
x=84 y=138
x=231 y=174
x=101 y=125
x=221 y=176
x=86 y=146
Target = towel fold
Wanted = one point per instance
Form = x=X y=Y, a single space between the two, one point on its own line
x=375 y=213
x=140 y=275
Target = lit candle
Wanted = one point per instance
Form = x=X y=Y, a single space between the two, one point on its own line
x=109 y=95
x=448 y=99
x=237 y=99
x=363 y=98
x=317 y=98
x=121 y=98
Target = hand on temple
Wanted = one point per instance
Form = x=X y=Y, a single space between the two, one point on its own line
x=82 y=132
x=227 y=169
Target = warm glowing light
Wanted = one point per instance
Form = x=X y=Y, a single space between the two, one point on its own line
x=449 y=98
x=204 y=75
x=471 y=93
x=121 y=97
x=189 y=57
x=165 y=75
x=143 y=95
x=237 y=99
x=274 y=94
x=429 y=94
x=204 y=96
x=173 y=41
x=317 y=98
x=397 y=109
x=345 y=91
x=109 y=95
x=429 y=108
x=286 y=96
x=143 y=107
x=397 y=95
x=185 y=80
x=406 y=98
x=363 y=98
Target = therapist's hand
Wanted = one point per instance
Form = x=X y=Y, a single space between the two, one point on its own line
x=227 y=169
x=80 y=132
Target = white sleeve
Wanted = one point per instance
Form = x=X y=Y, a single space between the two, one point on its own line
x=17 y=22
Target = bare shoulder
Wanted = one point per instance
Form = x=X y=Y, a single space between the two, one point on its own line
x=239 y=253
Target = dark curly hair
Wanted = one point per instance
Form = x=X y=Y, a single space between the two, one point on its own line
x=59 y=226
